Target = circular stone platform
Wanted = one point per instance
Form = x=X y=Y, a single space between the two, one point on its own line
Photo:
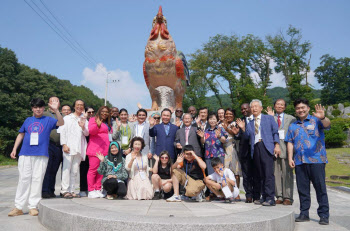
x=102 y=214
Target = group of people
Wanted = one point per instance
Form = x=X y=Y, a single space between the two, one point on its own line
x=173 y=155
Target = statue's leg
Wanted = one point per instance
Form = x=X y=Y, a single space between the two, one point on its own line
x=179 y=93
x=154 y=97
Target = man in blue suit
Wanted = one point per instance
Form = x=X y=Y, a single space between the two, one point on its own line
x=264 y=142
x=165 y=133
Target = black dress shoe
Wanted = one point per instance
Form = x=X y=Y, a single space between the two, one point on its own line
x=52 y=195
x=157 y=196
x=248 y=200
x=269 y=203
x=45 y=195
x=324 y=221
x=302 y=218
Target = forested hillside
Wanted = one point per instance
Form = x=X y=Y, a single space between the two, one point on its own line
x=19 y=84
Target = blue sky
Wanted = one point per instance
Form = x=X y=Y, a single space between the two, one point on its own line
x=115 y=34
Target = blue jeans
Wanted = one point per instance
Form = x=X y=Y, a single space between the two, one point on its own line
x=55 y=159
x=316 y=174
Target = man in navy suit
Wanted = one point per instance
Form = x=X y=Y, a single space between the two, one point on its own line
x=264 y=142
x=165 y=133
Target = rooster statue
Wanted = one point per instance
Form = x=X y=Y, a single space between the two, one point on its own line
x=165 y=69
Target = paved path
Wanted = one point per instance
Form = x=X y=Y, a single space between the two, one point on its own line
x=339 y=205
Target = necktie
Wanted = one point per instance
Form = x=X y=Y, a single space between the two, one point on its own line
x=167 y=127
x=279 y=121
x=256 y=126
x=187 y=131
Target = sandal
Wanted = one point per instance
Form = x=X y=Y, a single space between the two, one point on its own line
x=75 y=195
x=67 y=195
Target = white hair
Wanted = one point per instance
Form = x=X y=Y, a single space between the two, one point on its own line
x=256 y=100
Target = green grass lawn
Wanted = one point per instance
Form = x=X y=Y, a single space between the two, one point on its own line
x=335 y=168
x=7 y=161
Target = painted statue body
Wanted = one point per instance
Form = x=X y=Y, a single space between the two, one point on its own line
x=164 y=66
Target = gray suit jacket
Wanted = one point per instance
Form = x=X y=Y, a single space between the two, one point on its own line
x=287 y=120
x=193 y=139
x=145 y=136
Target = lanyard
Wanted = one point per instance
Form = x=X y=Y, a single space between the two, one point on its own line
x=138 y=164
x=125 y=130
x=224 y=177
x=189 y=169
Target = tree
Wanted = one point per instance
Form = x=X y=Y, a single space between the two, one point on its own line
x=334 y=77
x=290 y=55
x=226 y=64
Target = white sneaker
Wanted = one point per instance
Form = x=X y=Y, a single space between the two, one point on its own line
x=93 y=194
x=174 y=198
x=99 y=194
x=83 y=194
x=199 y=197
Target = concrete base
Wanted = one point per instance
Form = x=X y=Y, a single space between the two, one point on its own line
x=102 y=214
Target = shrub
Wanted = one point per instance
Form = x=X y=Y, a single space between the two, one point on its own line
x=346 y=104
x=336 y=112
x=336 y=136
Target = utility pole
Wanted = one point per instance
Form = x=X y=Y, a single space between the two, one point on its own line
x=106 y=88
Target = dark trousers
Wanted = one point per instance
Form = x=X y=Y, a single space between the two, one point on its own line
x=113 y=187
x=55 y=160
x=316 y=174
x=247 y=166
x=84 y=168
x=264 y=179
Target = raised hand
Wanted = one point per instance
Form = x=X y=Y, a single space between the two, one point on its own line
x=225 y=124
x=118 y=122
x=81 y=122
x=54 y=104
x=241 y=124
x=198 y=121
x=98 y=121
x=133 y=155
x=127 y=151
x=171 y=109
x=149 y=155
x=319 y=111
x=151 y=121
x=218 y=132
x=131 y=118
x=100 y=156
x=180 y=158
x=177 y=122
x=269 y=111
x=156 y=157
x=139 y=105
x=235 y=130
x=200 y=133
x=221 y=172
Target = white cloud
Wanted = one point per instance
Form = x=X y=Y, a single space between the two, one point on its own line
x=123 y=90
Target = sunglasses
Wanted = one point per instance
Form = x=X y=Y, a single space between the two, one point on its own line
x=156 y=118
x=91 y=112
x=164 y=158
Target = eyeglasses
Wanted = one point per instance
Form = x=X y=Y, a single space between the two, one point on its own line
x=156 y=118
x=164 y=158
x=91 y=112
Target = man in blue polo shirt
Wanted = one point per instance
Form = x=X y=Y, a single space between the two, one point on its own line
x=33 y=157
x=305 y=138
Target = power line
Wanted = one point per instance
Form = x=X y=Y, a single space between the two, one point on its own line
x=59 y=32
x=66 y=30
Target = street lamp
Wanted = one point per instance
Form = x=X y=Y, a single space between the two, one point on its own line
x=106 y=88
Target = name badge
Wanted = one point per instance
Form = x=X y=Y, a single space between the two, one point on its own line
x=125 y=140
x=143 y=175
x=110 y=137
x=227 y=192
x=186 y=183
x=281 y=134
x=310 y=127
x=34 y=138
